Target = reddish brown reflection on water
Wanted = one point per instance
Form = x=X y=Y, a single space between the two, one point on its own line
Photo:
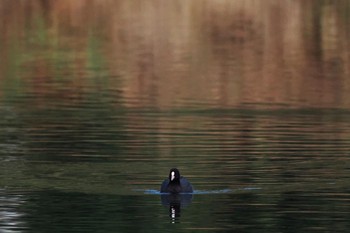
x=222 y=53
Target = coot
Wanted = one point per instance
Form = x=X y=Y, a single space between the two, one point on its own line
x=176 y=183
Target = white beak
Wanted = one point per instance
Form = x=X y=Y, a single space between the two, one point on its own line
x=172 y=176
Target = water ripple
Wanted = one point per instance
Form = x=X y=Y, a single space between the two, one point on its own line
x=199 y=192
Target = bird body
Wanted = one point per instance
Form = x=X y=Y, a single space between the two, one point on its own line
x=176 y=183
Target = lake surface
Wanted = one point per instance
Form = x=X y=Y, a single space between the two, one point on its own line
x=249 y=99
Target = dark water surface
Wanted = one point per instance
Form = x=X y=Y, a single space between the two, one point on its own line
x=249 y=99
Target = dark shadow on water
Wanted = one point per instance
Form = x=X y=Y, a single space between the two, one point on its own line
x=175 y=202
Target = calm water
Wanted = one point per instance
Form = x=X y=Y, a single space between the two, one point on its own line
x=249 y=99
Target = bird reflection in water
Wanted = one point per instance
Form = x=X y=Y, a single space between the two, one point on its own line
x=175 y=202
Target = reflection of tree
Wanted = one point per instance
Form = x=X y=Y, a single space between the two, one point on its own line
x=210 y=52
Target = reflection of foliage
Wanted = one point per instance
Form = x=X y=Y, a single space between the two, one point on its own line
x=94 y=54
x=23 y=50
x=218 y=52
x=37 y=35
x=42 y=60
